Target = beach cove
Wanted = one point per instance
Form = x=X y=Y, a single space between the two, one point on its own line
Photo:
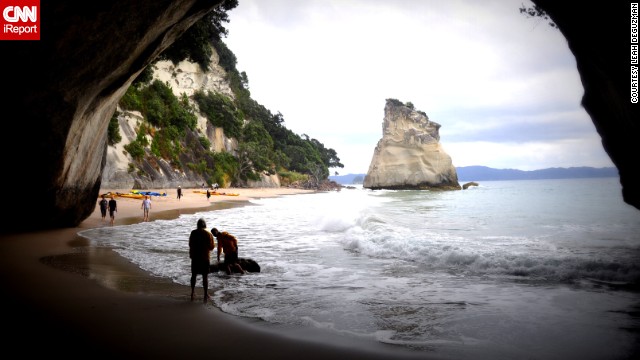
x=53 y=307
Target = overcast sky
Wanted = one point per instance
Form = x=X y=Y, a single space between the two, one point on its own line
x=504 y=87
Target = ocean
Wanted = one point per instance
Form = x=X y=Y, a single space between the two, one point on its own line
x=529 y=269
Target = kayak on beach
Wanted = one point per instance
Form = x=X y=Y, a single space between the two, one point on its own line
x=134 y=194
x=150 y=193
x=215 y=193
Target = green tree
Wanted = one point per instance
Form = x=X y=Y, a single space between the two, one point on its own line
x=136 y=147
x=536 y=11
x=221 y=111
x=131 y=99
x=195 y=43
x=163 y=109
x=265 y=145
x=225 y=169
x=317 y=173
x=113 y=133
x=255 y=152
x=145 y=76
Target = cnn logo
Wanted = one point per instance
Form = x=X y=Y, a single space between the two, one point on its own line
x=26 y=13
x=20 y=20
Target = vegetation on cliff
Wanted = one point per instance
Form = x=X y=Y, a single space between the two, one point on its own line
x=265 y=145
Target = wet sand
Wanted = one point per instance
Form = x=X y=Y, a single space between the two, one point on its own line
x=62 y=297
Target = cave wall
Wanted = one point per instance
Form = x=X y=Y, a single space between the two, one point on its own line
x=61 y=91
x=59 y=94
x=598 y=35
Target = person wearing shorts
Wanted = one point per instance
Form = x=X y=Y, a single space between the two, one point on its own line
x=146 y=206
x=200 y=246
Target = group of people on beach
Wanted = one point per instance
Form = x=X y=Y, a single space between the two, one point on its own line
x=201 y=244
x=110 y=205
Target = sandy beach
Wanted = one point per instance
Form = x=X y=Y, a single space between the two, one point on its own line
x=55 y=305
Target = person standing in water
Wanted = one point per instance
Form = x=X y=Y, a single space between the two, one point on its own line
x=200 y=246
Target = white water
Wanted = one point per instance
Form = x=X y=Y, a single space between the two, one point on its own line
x=510 y=269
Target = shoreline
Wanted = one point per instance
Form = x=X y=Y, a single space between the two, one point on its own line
x=80 y=300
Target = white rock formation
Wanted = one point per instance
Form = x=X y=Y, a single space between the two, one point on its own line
x=187 y=77
x=184 y=78
x=409 y=155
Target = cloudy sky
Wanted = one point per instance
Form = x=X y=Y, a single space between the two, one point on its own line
x=504 y=87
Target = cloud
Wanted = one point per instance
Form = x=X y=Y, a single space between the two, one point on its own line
x=526 y=156
x=504 y=87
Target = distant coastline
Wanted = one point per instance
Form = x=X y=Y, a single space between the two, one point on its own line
x=484 y=173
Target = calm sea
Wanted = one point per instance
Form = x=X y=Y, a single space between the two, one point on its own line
x=540 y=269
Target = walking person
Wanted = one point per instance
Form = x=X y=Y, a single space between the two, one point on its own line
x=146 y=206
x=179 y=192
x=208 y=194
x=113 y=209
x=228 y=244
x=103 y=207
x=200 y=246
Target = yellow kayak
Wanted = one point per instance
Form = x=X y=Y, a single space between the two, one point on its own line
x=130 y=196
x=215 y=193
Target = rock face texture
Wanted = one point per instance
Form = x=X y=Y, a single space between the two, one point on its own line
x=409 y=155
x=603 y=59
x=64 y=90
x=185 y=77
x=61 y=91
x=157 y=173
x=469 y=184
x=248 y=265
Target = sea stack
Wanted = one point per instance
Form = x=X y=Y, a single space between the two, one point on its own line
x=409 y=155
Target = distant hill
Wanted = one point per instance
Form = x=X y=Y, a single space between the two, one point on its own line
x=348 y=179
x=483 y=173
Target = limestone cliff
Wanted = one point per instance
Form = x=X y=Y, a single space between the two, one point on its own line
x=123 y=172
x=409 y=155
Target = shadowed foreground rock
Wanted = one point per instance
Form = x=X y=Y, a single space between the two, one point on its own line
x=467 y=185
x=598 y=35
x=249 y=265
x=60 y=93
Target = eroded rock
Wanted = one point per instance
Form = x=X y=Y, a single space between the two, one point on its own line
x=409 y=155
